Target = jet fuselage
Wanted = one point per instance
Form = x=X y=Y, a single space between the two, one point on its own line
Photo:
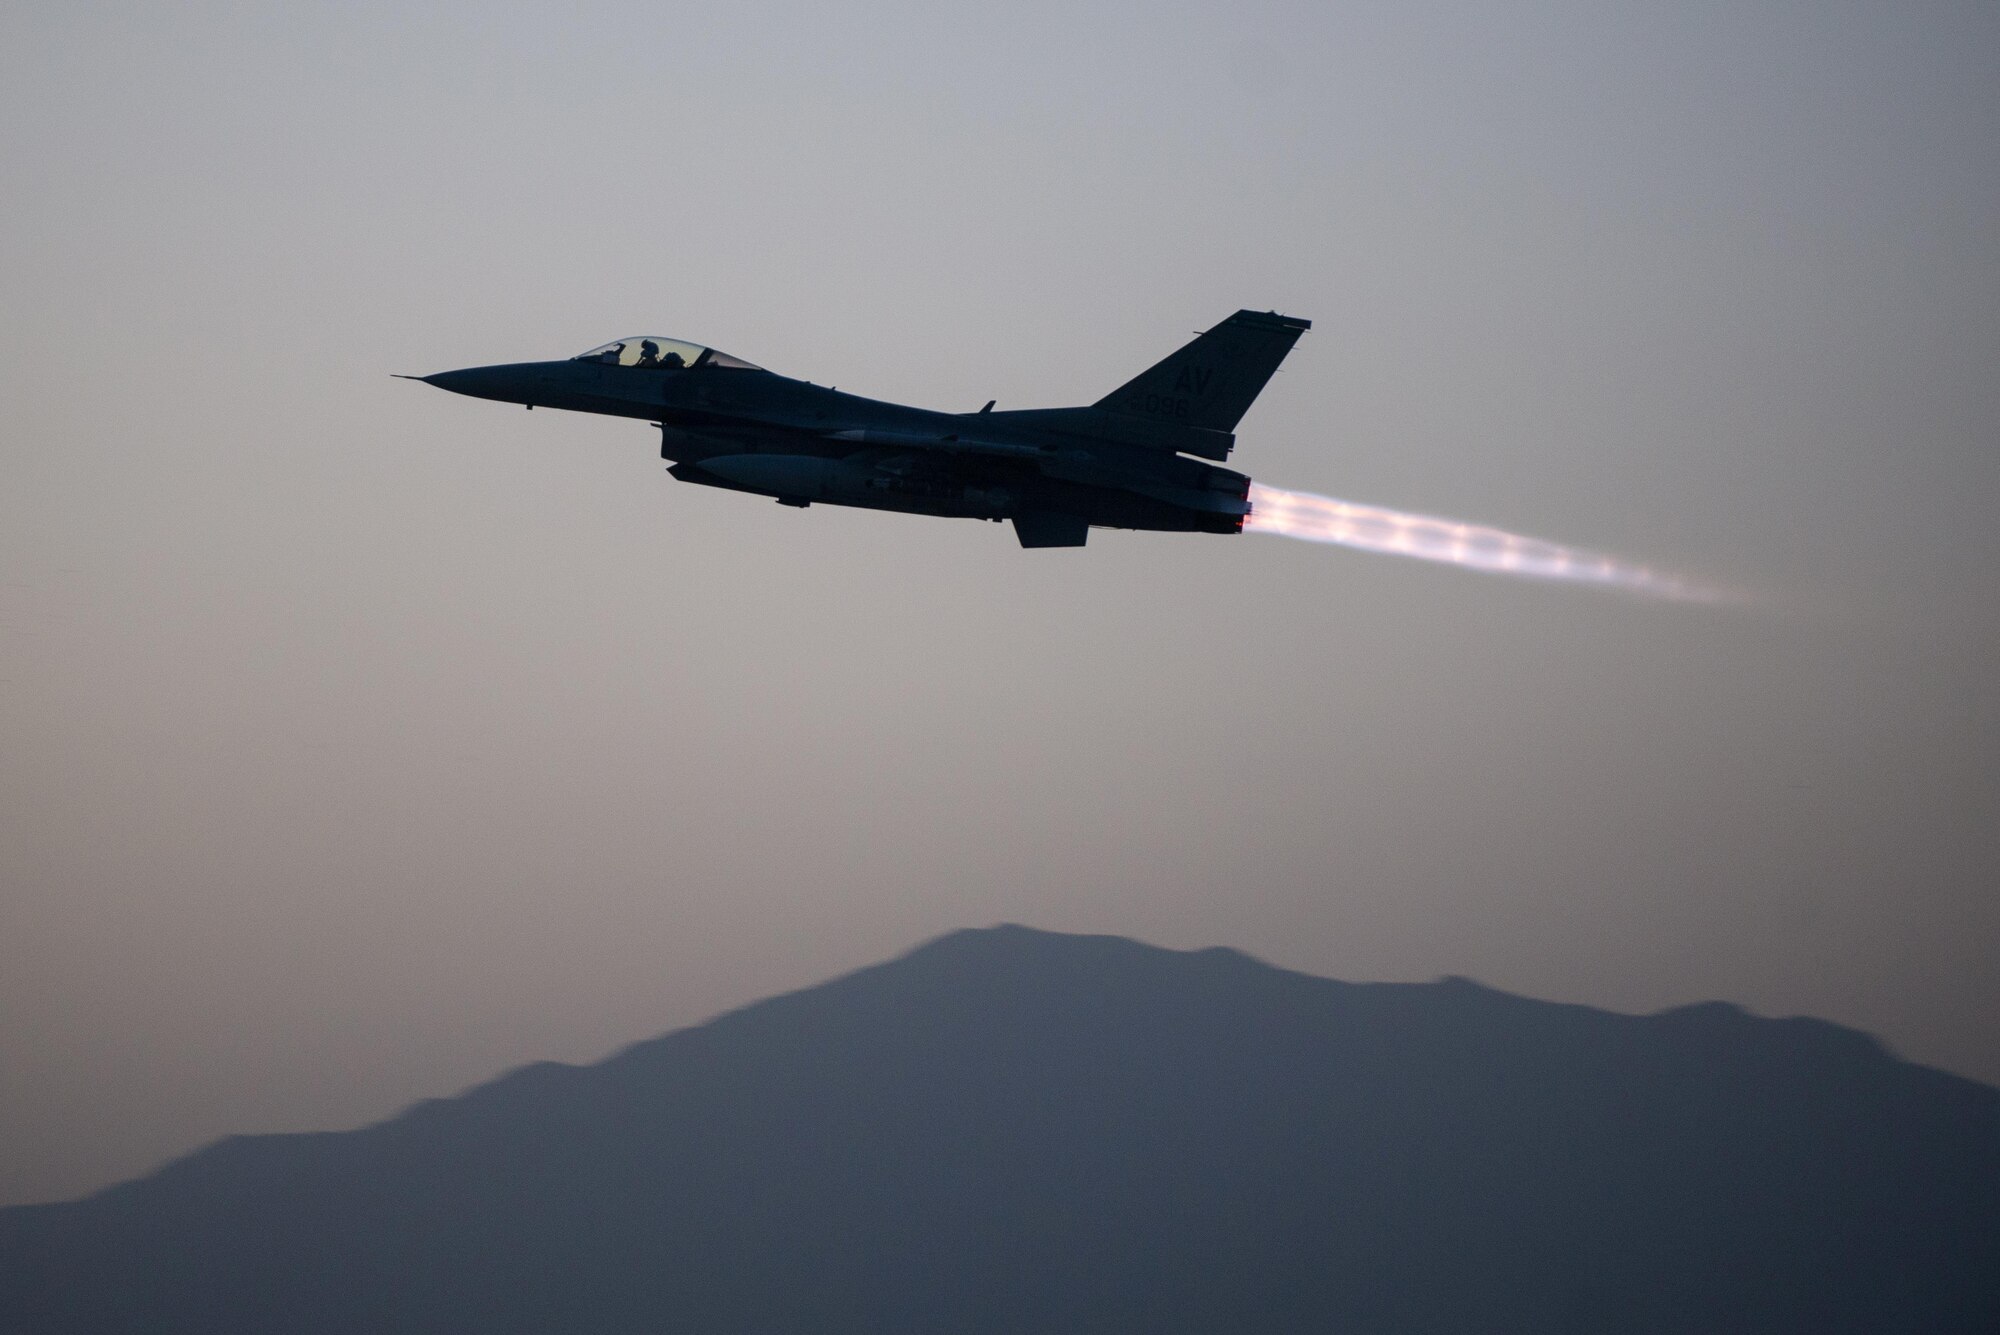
x=1121 y=463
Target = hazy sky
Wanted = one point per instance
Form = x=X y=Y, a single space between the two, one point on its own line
x=358 y=741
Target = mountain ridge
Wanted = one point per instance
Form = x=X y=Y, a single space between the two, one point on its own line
x=543 y=1068
x=1005 y=1127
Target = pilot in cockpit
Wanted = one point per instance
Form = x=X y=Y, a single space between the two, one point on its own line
x=649 y=353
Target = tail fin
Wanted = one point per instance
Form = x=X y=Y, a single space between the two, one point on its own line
x=1211 y=382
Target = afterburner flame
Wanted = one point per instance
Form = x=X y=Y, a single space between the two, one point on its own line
x=1373 y=528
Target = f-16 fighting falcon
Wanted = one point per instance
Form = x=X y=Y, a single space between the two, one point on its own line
x=1055 y=473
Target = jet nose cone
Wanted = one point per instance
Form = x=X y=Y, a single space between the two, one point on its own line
x=475 y=380
x=517 y=382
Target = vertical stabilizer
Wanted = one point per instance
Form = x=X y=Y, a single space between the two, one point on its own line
x=1210 y=383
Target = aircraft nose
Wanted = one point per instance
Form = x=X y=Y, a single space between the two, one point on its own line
x=482 y=382
x=516 y=382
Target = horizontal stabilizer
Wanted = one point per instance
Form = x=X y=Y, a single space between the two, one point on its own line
x=1046 y=528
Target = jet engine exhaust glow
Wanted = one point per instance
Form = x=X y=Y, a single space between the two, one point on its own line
x=1374 y=528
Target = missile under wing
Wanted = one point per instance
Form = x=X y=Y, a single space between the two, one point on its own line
x=1134 y=459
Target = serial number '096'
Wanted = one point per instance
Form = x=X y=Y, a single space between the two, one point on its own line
x=1165 y=405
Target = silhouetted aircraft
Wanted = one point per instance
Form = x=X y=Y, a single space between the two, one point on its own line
x=1055 y=472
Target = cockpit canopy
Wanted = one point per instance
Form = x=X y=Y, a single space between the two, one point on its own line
x=668 y=354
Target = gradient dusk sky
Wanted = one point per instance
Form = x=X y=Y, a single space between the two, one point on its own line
x=359 y=741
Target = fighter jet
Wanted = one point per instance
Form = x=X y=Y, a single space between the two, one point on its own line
x=1055 y=473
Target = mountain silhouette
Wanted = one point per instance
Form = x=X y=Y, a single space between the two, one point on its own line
x=1014 y=1130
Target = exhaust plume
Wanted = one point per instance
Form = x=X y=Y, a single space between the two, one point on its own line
x=1374 y=528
